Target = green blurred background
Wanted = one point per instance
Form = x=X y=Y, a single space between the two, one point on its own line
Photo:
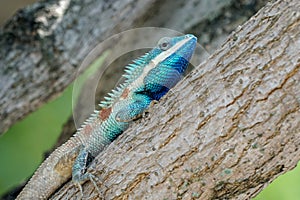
x=23 y=145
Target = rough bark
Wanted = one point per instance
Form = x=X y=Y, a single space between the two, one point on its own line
x=226 y=131
x=26 y=36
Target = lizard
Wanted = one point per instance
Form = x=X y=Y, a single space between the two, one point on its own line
x=147 y=79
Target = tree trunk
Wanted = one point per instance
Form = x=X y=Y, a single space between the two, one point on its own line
x=225 y=132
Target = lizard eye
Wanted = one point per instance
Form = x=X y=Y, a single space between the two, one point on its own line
x=164 y=43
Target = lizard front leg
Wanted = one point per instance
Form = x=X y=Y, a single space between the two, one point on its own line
x=134 y=109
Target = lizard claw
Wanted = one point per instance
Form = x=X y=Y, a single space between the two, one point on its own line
x=153 y=102
x=92 y=179
x=78 y=185
x=85 y=178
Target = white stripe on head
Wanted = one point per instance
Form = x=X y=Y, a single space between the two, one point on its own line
x=158 y=59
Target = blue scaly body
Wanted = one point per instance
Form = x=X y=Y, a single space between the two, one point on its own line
x=148 y=79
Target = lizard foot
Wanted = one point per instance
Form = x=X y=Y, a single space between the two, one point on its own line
x=83 y=179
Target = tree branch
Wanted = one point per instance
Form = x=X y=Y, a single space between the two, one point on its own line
x=226 y=131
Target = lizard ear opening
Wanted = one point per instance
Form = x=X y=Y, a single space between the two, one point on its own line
x=164 y=43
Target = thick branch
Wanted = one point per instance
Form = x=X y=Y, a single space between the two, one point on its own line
x=226 y=131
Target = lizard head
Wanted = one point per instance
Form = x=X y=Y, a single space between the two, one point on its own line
x=154 y=73
x=169 y=50
x=167 y=63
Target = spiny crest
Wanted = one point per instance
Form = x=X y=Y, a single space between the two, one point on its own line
x=115 y=94
x=89 y=120
x=112 y=96
x=129 y=77
x=137 y=64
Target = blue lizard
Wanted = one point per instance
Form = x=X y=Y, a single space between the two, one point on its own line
x=148 y=78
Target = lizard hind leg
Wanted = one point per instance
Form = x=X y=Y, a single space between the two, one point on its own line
x=79 y=173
